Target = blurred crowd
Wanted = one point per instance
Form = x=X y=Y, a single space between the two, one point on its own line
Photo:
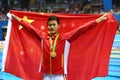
x=57 y=6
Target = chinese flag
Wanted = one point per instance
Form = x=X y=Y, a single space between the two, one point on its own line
x=89 y=53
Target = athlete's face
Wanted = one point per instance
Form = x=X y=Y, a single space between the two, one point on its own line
x=53 y=26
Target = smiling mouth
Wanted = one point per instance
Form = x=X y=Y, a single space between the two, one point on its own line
x=51 y=29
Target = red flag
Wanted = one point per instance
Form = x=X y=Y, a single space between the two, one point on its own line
x=89 y=53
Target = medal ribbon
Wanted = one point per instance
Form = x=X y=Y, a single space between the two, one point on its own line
x=52 y=49
x=53 y=44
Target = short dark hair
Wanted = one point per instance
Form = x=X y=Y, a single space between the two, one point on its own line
x=53 y=18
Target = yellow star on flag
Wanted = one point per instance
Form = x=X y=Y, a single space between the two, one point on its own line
x=26 y=19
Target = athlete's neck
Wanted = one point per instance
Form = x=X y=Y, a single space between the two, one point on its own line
x=54 y=34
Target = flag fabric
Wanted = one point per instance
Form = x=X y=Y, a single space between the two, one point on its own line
x=89 y=53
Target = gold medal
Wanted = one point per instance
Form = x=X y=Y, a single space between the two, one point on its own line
x=53 y=54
